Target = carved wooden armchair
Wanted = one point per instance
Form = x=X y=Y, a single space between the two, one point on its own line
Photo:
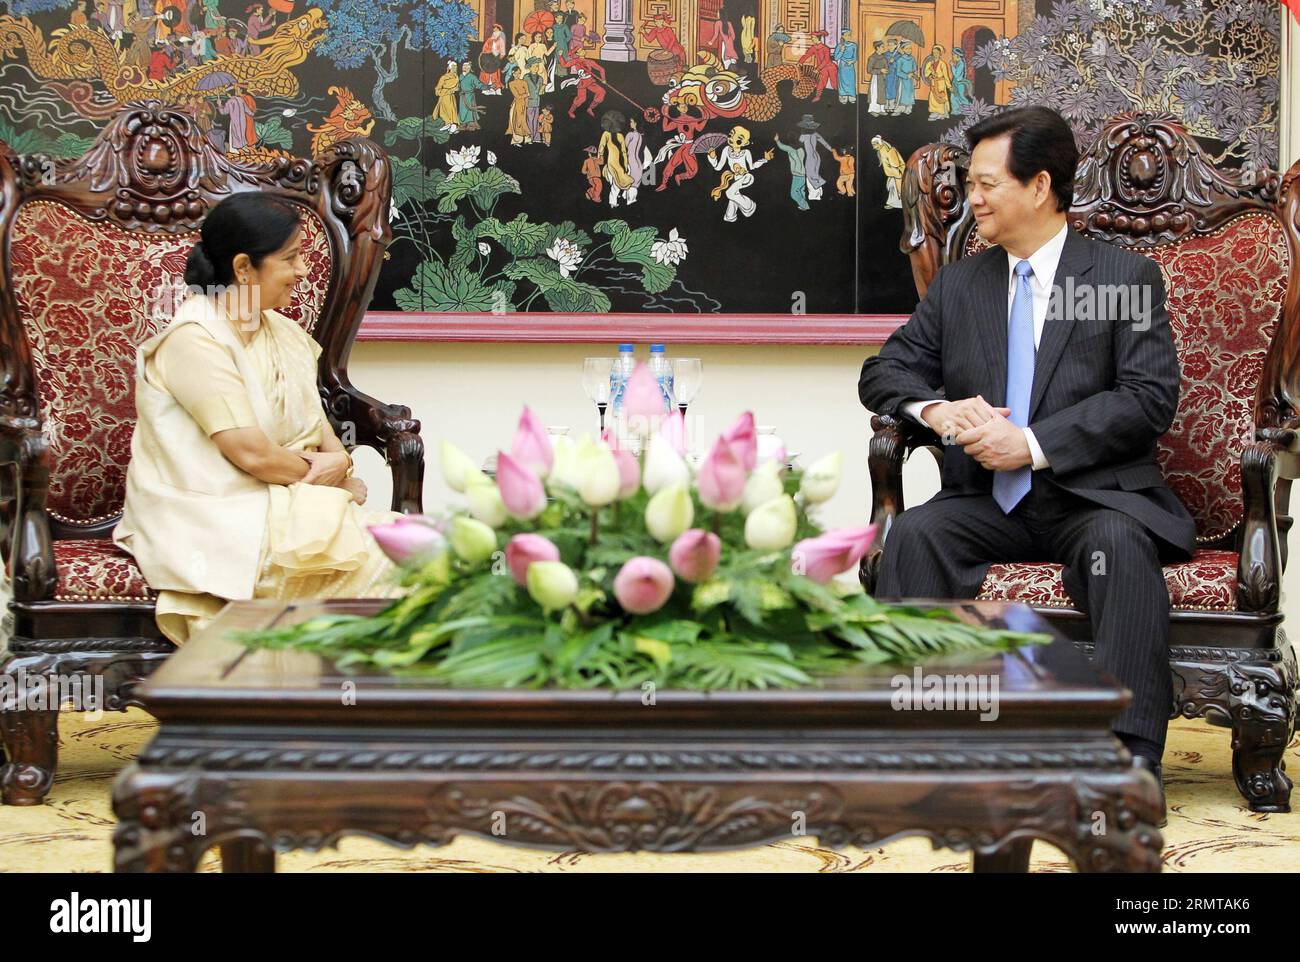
x=87 y=245
x=1229 y=249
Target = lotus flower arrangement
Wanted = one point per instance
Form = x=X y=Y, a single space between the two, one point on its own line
x=582 y=565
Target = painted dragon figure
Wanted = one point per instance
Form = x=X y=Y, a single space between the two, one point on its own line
x=84 y=54
x=720 y=92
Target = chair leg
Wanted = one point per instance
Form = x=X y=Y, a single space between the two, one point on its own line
x=1256 y=698
x=31 y=742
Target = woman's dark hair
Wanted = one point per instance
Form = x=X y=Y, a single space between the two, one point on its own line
x=249 y=223
x=1040 y=140
x=613 y=121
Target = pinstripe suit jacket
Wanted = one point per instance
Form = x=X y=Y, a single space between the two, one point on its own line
x=1105 y=387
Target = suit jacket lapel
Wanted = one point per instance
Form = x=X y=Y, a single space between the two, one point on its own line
x=991 y=296
x=1076 y=260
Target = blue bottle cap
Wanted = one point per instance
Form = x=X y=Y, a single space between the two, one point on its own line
x=626 y=348
x=656 y=348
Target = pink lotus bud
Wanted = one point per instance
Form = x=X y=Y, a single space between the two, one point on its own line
x=521 y=490
x=532 y=445
x=629 y=471
x=408 y=537
x=643 y=402
x=722 y=478
x=825 y=556
x=744 y=439
x=673 y=430
x=643 y=585
x=523 y=550
x=694 y=555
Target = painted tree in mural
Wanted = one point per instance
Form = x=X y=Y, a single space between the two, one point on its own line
x=1092 y=59
x=374 y=31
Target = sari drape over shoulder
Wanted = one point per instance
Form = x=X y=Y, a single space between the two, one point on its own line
x=202 y=530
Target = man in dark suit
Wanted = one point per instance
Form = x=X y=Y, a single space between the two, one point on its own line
x=1047 y=366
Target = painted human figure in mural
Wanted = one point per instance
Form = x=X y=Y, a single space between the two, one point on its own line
x=495 y=45
x=517 y=57
x=938 y=74
x=893 y=165
x=684 y=123
x=749 y=38
x=591 y=170
x=712 y=30
x=738 y=175
x=798 y=176
x=258 y=21
x=635 y=153
x=658 y=28
x=588 y=75
x=774 y=46
x=848 y=170
x=552 y=45
x=579 y=37
x=545 y=124
x=891 y=76
x=961 y=89
x=820 y=56
x=563 y=33
x=538 y=52
x=878 y=68
x=445 y=90
x=846 y=67
x=536 y=83
x=240 y=108
x=162 y=61
x=613 y=159
x=906 y=77
x=470 y=85
x=517 y=128
x=812 y=160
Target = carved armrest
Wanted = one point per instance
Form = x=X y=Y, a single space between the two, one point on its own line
x=1259 y=570
x=892 y=440
x=358 y=418
x=25 y=467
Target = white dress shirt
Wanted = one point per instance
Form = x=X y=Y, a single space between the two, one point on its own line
x=1044 y=262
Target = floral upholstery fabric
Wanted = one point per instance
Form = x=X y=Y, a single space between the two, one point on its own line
x=88 y=294
x=94 y=569
x=1206 y=583
x=1225 y=293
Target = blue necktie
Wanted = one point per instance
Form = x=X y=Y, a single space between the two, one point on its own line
x=1010 y=486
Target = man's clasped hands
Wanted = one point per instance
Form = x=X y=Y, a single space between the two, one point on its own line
x=982 y=430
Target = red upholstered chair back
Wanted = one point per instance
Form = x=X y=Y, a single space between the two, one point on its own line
x=88 y=293
x=93 y=247
x=1226 y=257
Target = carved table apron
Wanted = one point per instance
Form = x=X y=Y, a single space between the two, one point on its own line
x=264 y=751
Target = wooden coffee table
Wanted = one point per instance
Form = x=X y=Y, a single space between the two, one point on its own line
x=264 y=751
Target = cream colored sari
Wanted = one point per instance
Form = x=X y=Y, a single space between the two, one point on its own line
x=316 y=544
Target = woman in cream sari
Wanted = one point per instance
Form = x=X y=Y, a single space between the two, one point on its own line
x=237 y=486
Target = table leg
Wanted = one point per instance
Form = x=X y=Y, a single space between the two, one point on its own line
x=246 y=855
x=1011 y=857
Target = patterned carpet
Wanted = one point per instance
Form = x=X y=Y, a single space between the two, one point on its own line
x=1210 y=830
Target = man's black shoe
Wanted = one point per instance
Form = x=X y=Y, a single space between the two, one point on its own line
x=1155 y=769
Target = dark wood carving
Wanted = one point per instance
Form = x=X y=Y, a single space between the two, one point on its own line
x=255 y=768
x=151 y=170
x=1142 y=183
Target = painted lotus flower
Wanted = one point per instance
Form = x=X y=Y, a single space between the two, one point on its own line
x=671 y=251
x=565 y=253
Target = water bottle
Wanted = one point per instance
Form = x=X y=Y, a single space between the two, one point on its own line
x=618 y=376
x=663 y=372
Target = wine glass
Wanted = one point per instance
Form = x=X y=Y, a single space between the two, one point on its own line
x=595 y=381
x=687 y=375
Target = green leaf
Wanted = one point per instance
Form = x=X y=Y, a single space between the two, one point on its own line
x=483 y=187
x=660 y=651
x=630 y=246
x=271 y=133
x=412 y=183
x=450 y=289
x=519 y=237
